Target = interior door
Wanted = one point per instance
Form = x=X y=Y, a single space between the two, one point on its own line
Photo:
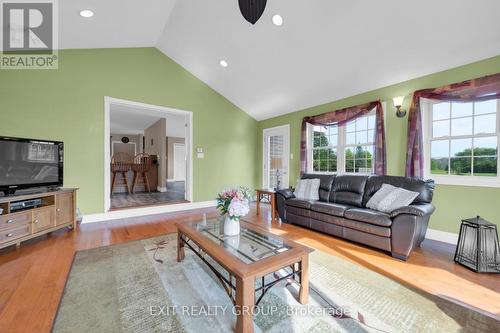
x=276 y=157
x=179 y=161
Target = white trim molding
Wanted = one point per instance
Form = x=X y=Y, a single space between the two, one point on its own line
x=145 y=211
x=442 y=236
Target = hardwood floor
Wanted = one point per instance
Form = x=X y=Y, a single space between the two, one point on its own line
x=32 y=278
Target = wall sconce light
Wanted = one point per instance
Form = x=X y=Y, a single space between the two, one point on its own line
x=398 y=102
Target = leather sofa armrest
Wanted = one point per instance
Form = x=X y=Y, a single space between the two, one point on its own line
x=282 y=196
x=416 y=210
x=286 y=193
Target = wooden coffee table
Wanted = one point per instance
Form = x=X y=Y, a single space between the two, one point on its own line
x=251 y=256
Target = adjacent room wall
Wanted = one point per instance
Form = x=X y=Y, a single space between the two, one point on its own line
x=453 y=203
x=155 y=145
x=170 y=154
x=117 y=137
x=68 y=105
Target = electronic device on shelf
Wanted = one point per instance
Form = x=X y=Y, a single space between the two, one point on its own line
x=25 y=204
x=30 y=163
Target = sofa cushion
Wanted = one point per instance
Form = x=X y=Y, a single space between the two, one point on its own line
x=300 y=203
x=369 y=216
x=330 y=208
x=425 y=188
x=348 y=190
x=325 y=184
x=368 y=228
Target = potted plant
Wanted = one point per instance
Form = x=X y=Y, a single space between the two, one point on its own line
x=233 y=203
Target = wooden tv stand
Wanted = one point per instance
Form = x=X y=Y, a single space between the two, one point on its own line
x=57 y=210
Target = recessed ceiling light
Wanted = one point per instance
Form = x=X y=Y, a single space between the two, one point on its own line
x=223 y=63
x=86 y=13
x=277 y=20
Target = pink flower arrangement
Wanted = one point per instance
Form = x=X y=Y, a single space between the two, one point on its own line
x=234 y=202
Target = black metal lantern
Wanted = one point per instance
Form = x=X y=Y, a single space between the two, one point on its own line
x=478 y=247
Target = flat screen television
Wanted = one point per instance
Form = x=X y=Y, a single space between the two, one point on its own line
x=30 y=163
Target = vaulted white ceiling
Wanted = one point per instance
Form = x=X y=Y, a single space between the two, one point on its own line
x=325 y=50
x=116 y=23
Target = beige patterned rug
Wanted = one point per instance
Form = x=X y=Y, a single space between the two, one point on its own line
x=139 y=287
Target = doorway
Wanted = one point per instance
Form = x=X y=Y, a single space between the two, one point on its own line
x=276 y=158
x=137 y=135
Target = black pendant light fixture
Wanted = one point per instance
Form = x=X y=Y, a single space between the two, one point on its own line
x=252 y=9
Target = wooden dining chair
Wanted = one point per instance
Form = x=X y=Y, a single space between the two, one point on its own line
x=141 y=166
x=120 y=164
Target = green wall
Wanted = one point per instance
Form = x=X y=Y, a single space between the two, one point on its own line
x=452 y=202
x=68 y=105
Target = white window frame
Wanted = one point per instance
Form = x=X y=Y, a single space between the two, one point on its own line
x=481 y=181
x=341 y=147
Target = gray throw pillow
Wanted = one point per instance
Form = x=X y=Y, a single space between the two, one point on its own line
x=375 y=200
x=301 y=188
x=399 y=197
x=314 y=189
x=307 y=189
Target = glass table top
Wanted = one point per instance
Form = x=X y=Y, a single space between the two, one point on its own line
x=249 y=246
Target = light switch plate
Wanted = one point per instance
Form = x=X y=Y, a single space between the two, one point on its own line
x=200 y=155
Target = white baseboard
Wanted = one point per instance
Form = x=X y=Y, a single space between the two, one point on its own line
x=126 y=213
x=442 y=236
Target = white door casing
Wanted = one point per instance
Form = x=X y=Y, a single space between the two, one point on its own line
x=276 y=144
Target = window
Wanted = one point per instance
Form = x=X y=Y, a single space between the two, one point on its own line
x=359 y=144
x=347 y=148
x=462 y=142
x=325 y=148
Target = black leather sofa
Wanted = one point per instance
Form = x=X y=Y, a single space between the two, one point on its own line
x=341 y=211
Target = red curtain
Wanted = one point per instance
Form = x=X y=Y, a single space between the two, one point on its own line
x=340 y=117
x=481 y=89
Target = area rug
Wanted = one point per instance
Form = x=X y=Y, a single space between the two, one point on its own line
x=140 y=287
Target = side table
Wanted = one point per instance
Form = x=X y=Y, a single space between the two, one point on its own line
x=270 y=196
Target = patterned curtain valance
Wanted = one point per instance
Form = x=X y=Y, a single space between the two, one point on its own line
x=480 y=89
x=340 y=117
